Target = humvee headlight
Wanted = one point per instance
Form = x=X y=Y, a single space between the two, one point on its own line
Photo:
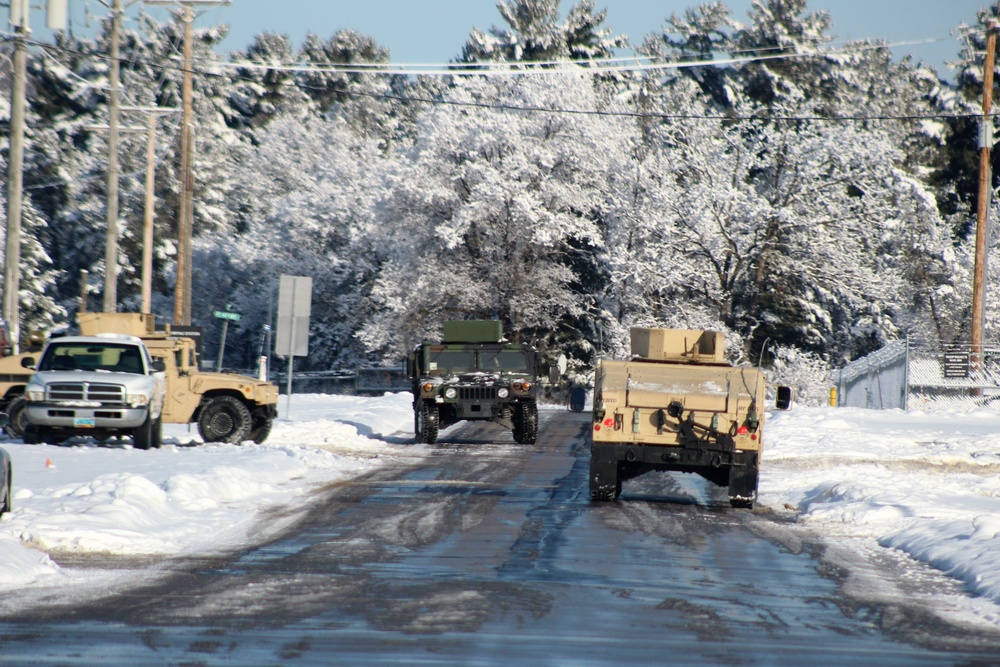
x=450 y=392
x=503 y=392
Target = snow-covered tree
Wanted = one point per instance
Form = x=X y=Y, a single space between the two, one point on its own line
x=535 y=34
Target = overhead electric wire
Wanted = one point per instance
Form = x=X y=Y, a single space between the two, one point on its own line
x=488 y=69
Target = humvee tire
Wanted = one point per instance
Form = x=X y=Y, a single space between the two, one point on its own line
x=605 y=484
x=261 y=429
x=526 y=423
x=426 y=426
x=743 y=481
x=224 y=419
x=15 y=413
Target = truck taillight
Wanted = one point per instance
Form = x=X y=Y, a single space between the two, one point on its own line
x=742 y=430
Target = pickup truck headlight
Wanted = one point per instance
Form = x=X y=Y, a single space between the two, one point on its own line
x=137 y=400
x=34 y=392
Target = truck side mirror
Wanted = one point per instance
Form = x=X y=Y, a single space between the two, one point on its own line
x=554 y=375
x=28 y=362
x=6 y=351
x=783 y=399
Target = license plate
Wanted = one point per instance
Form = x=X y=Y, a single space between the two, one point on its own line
x=84 y=422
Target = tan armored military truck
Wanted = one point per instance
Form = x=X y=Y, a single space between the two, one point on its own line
x=227 y=407
x=677 y=405
x=14 y=377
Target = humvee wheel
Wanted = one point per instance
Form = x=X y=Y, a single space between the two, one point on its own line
x=604 y=483
x=224 y=419
x=261 y=430
x=526 y=423
x=743 y=481
x=16 y=415
x=427 y=419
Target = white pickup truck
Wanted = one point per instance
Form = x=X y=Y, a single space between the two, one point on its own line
x=98 y=386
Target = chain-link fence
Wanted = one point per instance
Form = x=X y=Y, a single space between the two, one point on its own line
x=909 y=376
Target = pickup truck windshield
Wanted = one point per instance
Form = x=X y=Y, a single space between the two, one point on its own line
x=92 y=357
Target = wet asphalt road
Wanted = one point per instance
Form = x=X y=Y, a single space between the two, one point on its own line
x=490 y=553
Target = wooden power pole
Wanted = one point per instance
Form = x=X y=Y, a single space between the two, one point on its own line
x=185 y=216
x=985 y=190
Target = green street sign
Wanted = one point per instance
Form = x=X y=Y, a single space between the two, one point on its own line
x=222 y=314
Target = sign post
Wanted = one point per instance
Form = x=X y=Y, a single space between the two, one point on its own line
x=292 y=335
x=226 y=316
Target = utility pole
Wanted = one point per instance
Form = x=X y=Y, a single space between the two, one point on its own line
x=985 y=190
x=111 y=244
x=185 y=216
x=150 y=204
x=15 y=174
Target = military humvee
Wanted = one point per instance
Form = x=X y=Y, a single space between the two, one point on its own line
x=678 y=406
x=474 y=374
x=227 y=407
x=14 y=377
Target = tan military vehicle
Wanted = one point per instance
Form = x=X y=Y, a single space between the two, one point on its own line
x=227 y=407
x=676 y=405
x=14 y=377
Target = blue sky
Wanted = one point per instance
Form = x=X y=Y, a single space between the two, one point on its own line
x=433 y=31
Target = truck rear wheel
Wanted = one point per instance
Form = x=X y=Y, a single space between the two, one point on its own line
x=224 y=419
x=605 y=483
x=427 y=420
x=743 y=481
x=16 y=416
x=526 y=423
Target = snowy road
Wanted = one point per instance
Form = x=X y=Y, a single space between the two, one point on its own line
x=486 y=552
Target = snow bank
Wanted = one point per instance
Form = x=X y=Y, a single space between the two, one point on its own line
x=925 y=484
x=187 y=497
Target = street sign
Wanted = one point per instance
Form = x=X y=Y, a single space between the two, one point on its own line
x=225 y=315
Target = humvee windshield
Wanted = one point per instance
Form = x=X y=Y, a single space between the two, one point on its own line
x=481 y=360
x=507 y=360
x=453 y=360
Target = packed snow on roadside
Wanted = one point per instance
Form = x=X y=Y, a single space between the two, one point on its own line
x=907 y=482
x=924 y=484
x=187 y=497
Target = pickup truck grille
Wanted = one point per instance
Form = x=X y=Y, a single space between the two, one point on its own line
x=86 y=391
x=477 y=393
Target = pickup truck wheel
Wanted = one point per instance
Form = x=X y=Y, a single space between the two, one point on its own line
x=157 y=441
x=224 y=419
x=142 y=438
x=8 y=489
x=31 y=435
x=16 y=415
x=261 y=430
